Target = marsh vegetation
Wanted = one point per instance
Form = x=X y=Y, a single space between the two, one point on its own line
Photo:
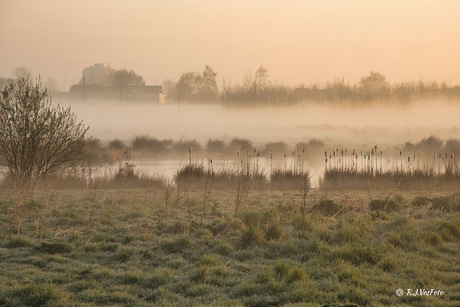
x=238 y=221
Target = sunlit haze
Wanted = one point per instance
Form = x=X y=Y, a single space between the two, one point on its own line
x=297 y=41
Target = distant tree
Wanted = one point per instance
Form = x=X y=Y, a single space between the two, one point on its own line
x=248 y=81
x=338 y=89
x=36 y=138
x=261 y=79
x=169 y=88
x=194 y=86
x=123 y=79
x=373 y=86
x=207 y=85
x=23 y=72
x=187 y=86
x=51 y=87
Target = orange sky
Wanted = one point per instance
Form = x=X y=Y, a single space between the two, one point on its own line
x=296 y=40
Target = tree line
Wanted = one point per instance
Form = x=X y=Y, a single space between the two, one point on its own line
x=257 y=88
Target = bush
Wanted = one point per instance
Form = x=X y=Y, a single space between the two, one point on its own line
x=54 y=248
x=215 y=147
x=19 y=241
x=387 y=205
x=420 y=201
x=447 y=203
x=117 y=144
x=274 y=232
x=251 y=236
x=32 y=295
x=327 y=207
x=357 y=254
x=36 y=138
x=158 y=278
x=449 y=231
x=177 y=245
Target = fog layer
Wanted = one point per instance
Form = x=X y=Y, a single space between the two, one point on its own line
x=359 y=126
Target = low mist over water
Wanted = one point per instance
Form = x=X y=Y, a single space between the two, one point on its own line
x=345 y=126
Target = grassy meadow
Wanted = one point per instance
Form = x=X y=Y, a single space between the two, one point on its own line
x=175 y=246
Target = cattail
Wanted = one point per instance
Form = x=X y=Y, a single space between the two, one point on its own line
x=303 y=158
x=400 y=157
x=247 y=162
x=341 y=162
x=255 y=150
x=285 y=163
x=271 y=164
x=190 y=155
x=368 y=162
x=238 y=160
x=376 y=157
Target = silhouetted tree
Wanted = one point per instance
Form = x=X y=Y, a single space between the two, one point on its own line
x=23 y=72
x=187 y=86
x=169 y=88
x=207 y=85
x=261 y=79
x=338 y=89
x=197 y=87
x=123 y=79
x=373 y=86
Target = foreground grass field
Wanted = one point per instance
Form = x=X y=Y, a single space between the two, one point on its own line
x=142 y=247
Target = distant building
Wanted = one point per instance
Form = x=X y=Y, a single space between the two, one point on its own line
x=96 y=84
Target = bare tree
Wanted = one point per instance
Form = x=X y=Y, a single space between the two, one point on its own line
x=169 y=88
x=36 y=138
x=207 y=85
x=187 y=86
x=22 y=72
x=373 y=86
x=123 y=79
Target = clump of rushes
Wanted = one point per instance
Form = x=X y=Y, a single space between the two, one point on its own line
x=289 y=180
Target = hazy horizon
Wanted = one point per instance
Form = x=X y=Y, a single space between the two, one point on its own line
x=297 y=41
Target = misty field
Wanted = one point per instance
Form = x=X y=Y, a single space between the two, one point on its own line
x=193 y=247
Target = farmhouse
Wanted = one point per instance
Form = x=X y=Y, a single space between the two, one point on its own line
x=101 y=82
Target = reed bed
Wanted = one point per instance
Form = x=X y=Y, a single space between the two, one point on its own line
x=289 y=180
x=197 y=176
x=371 y=170
x=243 y=177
